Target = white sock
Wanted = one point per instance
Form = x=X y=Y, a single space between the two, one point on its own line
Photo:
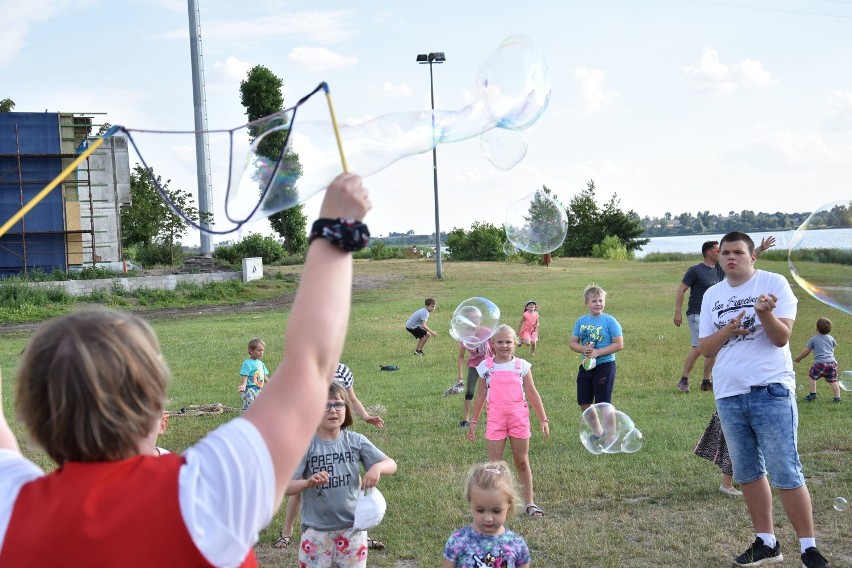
x=768 y=539
x=806 y=543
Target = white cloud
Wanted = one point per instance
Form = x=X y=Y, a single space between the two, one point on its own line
x=715 y=78
x=17 y=19
x=319 y=59
x=841 y=101
x=594 y=97
x=233 y=68
x=389 y=90
x=781 y=149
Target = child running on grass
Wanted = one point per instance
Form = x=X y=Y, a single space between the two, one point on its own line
x=490 y=491
x=506 y=385
x=825 y=365
x=329 y=479
x=416 y=325
x=90 y=391
x=253 y=372
x=528 y=327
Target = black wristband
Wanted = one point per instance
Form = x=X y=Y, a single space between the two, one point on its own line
x=347 y=234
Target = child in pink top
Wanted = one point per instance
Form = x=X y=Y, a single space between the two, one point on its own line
x=528 y=328
x=506 y=385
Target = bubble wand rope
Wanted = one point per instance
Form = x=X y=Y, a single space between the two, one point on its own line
x=56 y=181
x=334 y=125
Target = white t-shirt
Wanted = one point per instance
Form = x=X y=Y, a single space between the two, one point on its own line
x=230 y=465
x=751 y=360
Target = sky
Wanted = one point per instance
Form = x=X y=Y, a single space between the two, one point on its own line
x=671 y=105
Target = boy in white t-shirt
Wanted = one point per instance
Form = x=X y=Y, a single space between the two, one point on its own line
x=416 y=325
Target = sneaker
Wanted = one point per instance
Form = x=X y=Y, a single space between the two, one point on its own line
x=812 y=396
x=835 y=399
x=706 y=385
x=418 y=352
x=732 y=491
x=811 y=558
x=683 y=385
x=455 y=389
x=464 y=424
x=759 y=554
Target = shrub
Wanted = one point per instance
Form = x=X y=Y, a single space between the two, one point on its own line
x=611 y=248
x=252 y=246
x=160 y=254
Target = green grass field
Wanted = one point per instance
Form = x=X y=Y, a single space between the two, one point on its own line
x=658 y=507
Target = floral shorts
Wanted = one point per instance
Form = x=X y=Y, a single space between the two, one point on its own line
x=333 y=549
x=828 y=371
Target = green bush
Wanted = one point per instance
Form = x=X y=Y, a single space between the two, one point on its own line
x=160 y=254
x=252 y=246
x=611 y=248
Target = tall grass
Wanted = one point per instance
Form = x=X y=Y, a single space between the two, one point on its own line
x=658 y=507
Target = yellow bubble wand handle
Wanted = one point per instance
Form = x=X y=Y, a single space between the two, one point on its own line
x=50 y=187
x=334 y=125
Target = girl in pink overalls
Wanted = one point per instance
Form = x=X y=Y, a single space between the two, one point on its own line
x=506 y=385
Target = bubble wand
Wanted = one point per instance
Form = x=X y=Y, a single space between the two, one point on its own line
x=334 y=125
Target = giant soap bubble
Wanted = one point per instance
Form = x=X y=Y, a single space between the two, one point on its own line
x=474 y=321
x=536 y=223
x=289 y=160
x=845 y=380
x=824 y=272
x=604 y=429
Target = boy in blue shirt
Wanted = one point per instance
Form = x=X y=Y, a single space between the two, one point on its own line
x=253 y=373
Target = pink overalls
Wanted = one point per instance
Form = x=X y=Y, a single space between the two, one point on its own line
x=508 y=414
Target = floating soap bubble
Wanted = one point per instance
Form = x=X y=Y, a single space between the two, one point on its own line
x=841 y=504
x=661 y=338
x=845 y=380
x=474 y=321
x=509 y=249
x=504 y=148
x=632 y=441
x=824 y=273
x=623 y=426
x=536 y=223
x=288 y=160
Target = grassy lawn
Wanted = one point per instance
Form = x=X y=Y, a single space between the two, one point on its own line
x=658 y=507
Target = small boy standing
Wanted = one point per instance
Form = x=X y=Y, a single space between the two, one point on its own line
x=416 y=325
x=253 y=373
x=597 y=336
x=825 y=365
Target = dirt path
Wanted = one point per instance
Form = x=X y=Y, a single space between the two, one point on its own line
x=360 y=283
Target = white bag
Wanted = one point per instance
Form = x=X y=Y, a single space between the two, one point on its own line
x=370 y=509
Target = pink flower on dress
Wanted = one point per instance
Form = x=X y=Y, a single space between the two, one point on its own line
x=342 y=543
x=362 y=553
x=308 y=546
x=302 y=564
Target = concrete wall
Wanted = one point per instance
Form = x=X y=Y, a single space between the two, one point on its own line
x=165 y=282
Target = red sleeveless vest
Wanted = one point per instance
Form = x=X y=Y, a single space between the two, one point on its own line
x=123 y=513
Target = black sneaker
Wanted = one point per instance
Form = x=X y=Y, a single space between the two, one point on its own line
x=812 y=396
x=835 y=399
x=707 y=385
x=418 y=352
x=464 y=424
x=683 y=385
x=811 y=558
x=759 y=554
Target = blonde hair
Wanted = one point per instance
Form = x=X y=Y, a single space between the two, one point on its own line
x=91 y=386
x=504 y=328
x=255 y=343
x=593 y=290
x=493 y=476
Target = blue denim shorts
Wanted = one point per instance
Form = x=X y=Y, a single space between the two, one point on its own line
x=761 y=432
x=694 y=321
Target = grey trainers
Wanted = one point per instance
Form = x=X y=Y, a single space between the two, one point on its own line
x=683 y=385
x=811 y=558
x=835 y=399
x=811 y=396
x=759 y=554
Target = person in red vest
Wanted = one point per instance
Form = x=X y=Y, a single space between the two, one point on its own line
x=90 y=391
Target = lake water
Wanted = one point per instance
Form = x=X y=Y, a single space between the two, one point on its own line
x=691 y=244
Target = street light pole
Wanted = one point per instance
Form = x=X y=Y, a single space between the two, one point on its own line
x=435 y=57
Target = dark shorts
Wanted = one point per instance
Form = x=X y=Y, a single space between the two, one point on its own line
x=417 y=332
x=596 y=385
x=827 y=371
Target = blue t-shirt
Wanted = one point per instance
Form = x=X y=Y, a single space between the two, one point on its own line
x=256 y=372
x=470 y=549
x=599 y=330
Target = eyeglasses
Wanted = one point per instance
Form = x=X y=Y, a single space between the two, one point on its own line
x=336 y=406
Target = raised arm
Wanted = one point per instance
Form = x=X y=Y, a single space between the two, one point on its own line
x=7 y=438
x=291 y=406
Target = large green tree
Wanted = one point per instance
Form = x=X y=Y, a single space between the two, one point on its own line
x=6 y=105
x=589 y=225
x=260 y=94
